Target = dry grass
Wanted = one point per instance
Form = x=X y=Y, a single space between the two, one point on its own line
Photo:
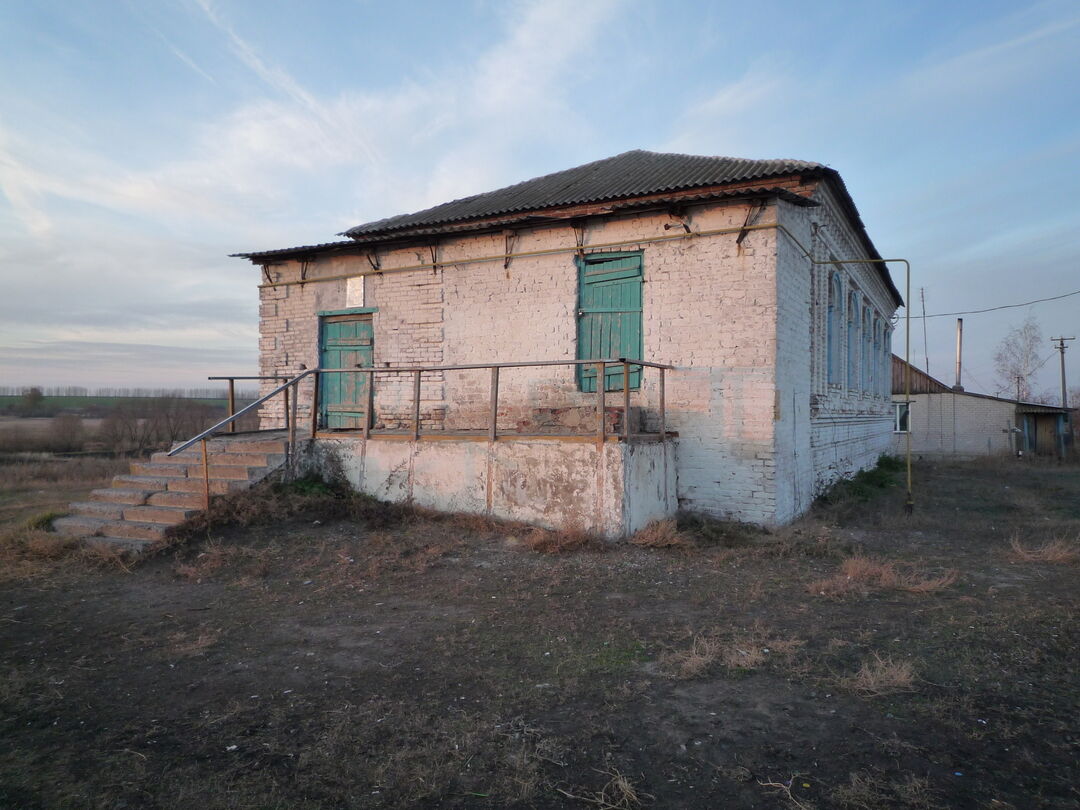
x=187 y=644
x=662 y=534
x=867 y=792
x=739 y=652
x=619 y=793
x=881 y=676
x=106 y=556
x=69 y=471
x=563 y=541
x=858 y=575
x=1058 y=551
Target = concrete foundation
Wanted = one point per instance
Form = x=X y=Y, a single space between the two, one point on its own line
x=612 y=490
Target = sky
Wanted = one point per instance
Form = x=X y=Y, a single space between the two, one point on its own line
x=141 y=142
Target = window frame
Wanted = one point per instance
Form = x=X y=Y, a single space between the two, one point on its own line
x=902 y=417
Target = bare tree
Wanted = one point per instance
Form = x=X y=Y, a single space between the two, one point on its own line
x=66 y=432
x=1017 y=357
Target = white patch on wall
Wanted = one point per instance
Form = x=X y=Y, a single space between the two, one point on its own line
x=354 y=291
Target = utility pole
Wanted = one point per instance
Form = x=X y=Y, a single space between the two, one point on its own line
x=1061 y=348
x=1064 y=393
x=1018 y=380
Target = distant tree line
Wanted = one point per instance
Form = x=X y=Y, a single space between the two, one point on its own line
x=79 y=391
x=132 y=426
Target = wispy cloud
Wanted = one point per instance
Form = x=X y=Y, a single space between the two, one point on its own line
x=288 y=167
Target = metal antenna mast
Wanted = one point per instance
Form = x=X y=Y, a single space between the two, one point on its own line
x=925 y=349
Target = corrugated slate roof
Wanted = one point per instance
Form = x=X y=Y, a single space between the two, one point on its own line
x=631 y=174
x=623 y=180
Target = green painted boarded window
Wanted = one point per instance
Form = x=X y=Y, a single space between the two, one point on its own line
x=345 y=341
x=609 y=316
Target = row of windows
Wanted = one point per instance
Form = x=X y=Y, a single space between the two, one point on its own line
x=853 y=324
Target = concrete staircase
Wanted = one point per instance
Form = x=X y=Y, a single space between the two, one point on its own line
x=140 y=511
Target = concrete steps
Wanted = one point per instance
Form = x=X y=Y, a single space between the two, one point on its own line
x=139 y=513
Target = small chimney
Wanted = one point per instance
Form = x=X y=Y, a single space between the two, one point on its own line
x=959 y=352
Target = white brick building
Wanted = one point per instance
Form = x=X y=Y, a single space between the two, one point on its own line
x=944 y=421
x=754 y=280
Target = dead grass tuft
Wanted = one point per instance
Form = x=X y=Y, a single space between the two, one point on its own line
x=187 y=644
x=105 y=556
x=858 y=575
x=740 y=652
x=214 y=557
x=273 y=502
x=864 y=791
x=881 y=676
x=45 y=546
x=912 y=583
x=30 y=553
x=619 y=793
x=662 y=534
x=563 y=541
x=1058 y=551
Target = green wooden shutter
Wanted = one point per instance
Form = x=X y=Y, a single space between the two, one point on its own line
x=609 y=316
x=345 y=342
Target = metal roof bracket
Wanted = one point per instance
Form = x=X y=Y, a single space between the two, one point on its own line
x=509 y=237
x=434 y=248
x=677 y=212
x=751 y=218
x=373 y=260
x=579 y=237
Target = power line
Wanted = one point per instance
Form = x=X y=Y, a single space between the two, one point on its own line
x=994 y=309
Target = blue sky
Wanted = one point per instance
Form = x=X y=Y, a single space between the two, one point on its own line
x=142 y=142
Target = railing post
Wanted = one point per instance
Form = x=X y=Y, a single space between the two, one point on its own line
x=292 y=425
x=416 y=405
x=601 y=384
x=315 y=404
x=494 y=416
x=286 y=408
x=206 y=479
x=232 y=403
x=626 y=400
x=369 y=407
x=663 y=406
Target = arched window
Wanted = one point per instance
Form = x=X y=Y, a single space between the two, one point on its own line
x=886 y=383
x=853 y=341
x=867 y=339
x=834 y=327
x=878 y=367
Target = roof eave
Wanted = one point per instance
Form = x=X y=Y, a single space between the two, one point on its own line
x=541 y=216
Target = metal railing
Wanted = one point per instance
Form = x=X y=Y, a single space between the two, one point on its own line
x=290 y=390
x=600 y=366
x=231 y=401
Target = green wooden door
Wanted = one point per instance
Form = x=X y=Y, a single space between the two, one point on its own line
x=346 y=341
x=609 y=316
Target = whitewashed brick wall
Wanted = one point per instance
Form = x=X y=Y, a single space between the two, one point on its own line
x=958 y=424
x=848 y=428
x=760 y=436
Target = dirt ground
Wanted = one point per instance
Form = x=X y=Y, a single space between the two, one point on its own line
x=860 y=659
